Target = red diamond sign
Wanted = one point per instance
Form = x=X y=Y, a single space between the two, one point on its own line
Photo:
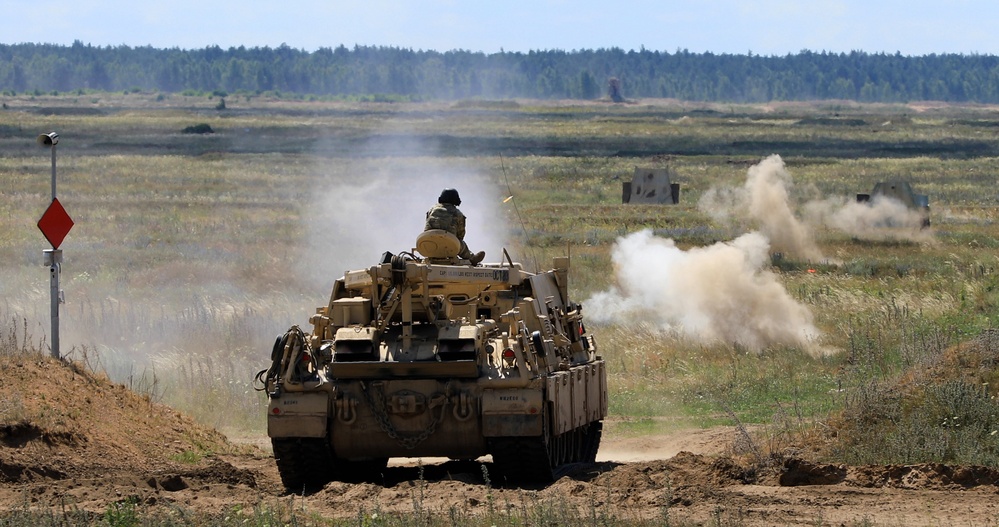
x=55 y=223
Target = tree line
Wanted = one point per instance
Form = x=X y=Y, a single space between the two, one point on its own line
x=458 y=74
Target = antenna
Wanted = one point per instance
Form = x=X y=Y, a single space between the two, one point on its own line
x=516 y=209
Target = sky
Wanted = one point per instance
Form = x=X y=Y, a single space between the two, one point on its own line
x=761 y=27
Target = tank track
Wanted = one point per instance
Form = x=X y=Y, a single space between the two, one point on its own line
x=306 y=463
x=302 y=462
x=368 y=470
x=521 y=459
x=591 y=442
x=535 y=460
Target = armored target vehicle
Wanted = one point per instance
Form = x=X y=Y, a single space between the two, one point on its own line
x=903 y=192
x=426 y=355
x=651 y=186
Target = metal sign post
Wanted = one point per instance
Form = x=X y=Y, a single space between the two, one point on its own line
x=54 y=224
x=53 y=259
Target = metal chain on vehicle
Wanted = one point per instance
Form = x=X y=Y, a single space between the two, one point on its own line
x=408 y=441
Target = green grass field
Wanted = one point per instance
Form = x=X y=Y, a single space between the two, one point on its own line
x=191 y=252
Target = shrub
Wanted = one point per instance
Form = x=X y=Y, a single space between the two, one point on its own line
x=203 y=128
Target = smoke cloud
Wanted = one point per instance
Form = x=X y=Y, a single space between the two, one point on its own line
x=764 y=201
x=716 y=294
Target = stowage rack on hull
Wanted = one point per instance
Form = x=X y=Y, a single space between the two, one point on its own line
x=433 y=357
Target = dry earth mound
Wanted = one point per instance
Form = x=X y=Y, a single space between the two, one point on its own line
x=69 y=435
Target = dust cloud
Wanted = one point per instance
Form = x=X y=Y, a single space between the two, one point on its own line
x=716 y=294
x=882 y=218
x=724 y=292
x=764 y=201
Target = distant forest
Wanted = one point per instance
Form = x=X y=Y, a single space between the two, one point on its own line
x=404 y=74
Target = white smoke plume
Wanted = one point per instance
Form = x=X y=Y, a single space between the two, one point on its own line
x=764 y=201
x=716 y=294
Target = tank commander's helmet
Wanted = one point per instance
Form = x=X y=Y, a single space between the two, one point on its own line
x=449 y=195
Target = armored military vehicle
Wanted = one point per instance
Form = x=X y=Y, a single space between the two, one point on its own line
x=900 y=191
x=430 y=356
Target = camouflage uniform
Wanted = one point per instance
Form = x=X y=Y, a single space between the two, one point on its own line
x=446 y=216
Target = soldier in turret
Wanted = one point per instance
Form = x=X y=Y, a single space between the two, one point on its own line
x=446 y=216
